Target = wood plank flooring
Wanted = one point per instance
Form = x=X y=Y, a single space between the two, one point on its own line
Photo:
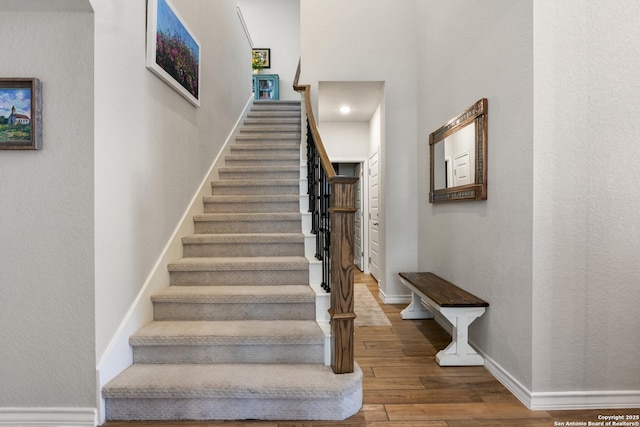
x=404 y=386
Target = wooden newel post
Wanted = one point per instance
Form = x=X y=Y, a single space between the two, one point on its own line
x=342 y=210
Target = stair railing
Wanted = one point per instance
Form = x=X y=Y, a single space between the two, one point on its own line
x=332 y=205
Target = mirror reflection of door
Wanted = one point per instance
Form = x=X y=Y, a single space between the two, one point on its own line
x=374 y=235
x=461 y=168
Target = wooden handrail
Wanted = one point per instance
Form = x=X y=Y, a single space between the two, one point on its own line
x=342 y=213
x=306 y=91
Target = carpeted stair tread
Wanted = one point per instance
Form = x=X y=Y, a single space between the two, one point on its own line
x=240 y=263
x=228 y=332
x=231 y=381
x=253 y=121
x=272 y=145
x=260 y=136
x=274 y=169
x=260 y=238
x=256 y=182
x=263 y=157
x=271 y=127
x=239 y=198
x=273 y=294
x=251 y=216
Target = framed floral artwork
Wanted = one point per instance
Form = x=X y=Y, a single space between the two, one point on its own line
x=173 y=52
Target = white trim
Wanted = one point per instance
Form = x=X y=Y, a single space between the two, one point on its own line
x=119 y=355
x=563 y=400
x=393 y=299
x=50 y=417
x=604 y=399
x=244 y=26
x=506 y=379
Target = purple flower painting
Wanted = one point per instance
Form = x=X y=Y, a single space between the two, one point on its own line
x=174 y=54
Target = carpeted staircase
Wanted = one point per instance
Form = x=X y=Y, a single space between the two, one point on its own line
x=234 y=336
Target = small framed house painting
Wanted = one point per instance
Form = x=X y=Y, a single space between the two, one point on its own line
x=262 y=57
x=173 y=52
x=20 y=114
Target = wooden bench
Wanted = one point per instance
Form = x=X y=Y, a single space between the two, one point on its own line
x=430 y=292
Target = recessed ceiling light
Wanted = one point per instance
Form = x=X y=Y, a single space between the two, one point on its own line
x=345 y=109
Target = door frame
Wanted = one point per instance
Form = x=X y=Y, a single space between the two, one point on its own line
x=364 y=165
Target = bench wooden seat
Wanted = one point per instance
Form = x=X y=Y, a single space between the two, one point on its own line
x=432 y=293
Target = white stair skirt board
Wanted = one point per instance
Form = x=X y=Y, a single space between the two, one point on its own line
x=459 y=352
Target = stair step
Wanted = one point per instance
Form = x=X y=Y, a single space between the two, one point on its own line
x=252 y=204
x=268 y=136
x=263 y=113
x=229 y=341
x=261 y=187
x=267 y=148
x=224 y=223
x=276 y=106
x=232 y=271
x=270 y=127
x=292 y=119
x=243 y=245
x=251 y=159
x=232 y=392
x=259 y=172
x=286 y=302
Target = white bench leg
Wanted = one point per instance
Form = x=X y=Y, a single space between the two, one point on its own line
x=416 y=310
x=459 y=352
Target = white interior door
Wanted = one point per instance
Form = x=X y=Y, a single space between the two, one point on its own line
x=461 y=175
x=358 y=252
x=374 y=235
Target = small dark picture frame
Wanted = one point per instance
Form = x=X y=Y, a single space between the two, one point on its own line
x=264 y=55
x=20 y=114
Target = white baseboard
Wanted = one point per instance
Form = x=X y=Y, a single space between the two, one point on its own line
x=50 y=417
x=563 y=400
x=394 y=299
x=607 y=399
x=119 y=354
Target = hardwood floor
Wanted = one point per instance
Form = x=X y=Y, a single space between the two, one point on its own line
x=404 y=386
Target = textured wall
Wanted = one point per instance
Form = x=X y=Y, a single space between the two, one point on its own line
x=586 y=197
x=470 y=50
x=47 y=353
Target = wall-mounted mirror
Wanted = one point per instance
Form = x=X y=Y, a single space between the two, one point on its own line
x=458 y=157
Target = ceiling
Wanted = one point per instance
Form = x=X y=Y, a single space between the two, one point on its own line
x=362 y=97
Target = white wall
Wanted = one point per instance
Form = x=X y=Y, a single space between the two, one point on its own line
x=470 y=50
x=275 y=24
x=345 y=141
x=47 y=351
x=586 y=198
x=153 y=148
x=341 y=43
